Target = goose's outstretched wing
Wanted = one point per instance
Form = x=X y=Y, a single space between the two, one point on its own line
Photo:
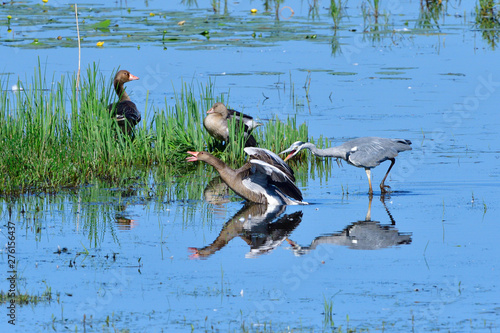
x=266 y=174
x=268 y=169
x=270 y=158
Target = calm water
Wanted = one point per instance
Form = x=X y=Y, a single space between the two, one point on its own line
x=425 y=260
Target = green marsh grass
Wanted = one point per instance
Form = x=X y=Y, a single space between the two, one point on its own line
x=56 y=136
x=430 y=12
x=328 y=313
x=336 y=12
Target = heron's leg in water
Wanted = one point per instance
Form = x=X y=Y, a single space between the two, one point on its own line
x=368 y=174
x=383 y=187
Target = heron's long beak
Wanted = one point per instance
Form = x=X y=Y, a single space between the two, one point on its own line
x=193 y=158
x=132 y=77
x=289 y=150
x=286 y=150
x=289 y=156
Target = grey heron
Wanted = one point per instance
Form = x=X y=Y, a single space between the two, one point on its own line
x=264 y=179
x=365 y=152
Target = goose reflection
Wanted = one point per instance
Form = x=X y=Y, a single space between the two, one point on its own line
x=360 y=235
x=260 y=226
x=216 y=192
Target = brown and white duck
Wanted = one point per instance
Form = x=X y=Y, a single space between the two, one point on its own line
x=264 y=179
x=216 y=123
x=124 y=111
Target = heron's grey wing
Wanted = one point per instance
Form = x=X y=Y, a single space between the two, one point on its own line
x=270 y=158
x=266 y=174
x=369 y=152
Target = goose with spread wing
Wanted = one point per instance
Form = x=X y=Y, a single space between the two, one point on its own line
x=216 y=123
x=264 y=179
x=365 y=152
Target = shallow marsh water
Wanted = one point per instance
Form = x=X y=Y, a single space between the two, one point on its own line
x=125 y=259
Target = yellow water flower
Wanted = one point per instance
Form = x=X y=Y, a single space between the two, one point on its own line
x=9 y=17
x=45 y=1
x=253 y=10
x=100 y=44
x=151 y=14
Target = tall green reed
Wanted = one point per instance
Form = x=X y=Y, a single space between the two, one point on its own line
x=55 y=135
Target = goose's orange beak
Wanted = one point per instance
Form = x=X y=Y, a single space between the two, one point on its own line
x=195 y=254
x=132 y=77
x=193 y=158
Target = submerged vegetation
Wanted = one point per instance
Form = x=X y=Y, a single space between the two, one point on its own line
x=55 y=136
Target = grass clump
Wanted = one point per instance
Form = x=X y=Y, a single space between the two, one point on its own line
x=55 y=135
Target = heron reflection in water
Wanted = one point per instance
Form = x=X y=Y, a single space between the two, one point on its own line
x=262 y=227
x=360 y=235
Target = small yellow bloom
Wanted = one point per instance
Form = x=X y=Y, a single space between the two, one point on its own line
x=253 y=10
x=9 y=30
x=9 y=17
x=151 y=14
x=45 y=1
x=100 y=44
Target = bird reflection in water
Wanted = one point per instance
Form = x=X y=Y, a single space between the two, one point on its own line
x=361 y=235
x=124 y=223
x=217 y=193
x=254 y=224
x=121 y=220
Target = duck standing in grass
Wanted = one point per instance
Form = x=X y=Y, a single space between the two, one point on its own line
x=264 y=179
x=216 y=123
x=366 y=152
x=124 y=111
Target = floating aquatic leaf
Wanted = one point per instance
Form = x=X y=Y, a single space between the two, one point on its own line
x=453 y=74
x=101 y=25
x=389 y=73
x=343 y=73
